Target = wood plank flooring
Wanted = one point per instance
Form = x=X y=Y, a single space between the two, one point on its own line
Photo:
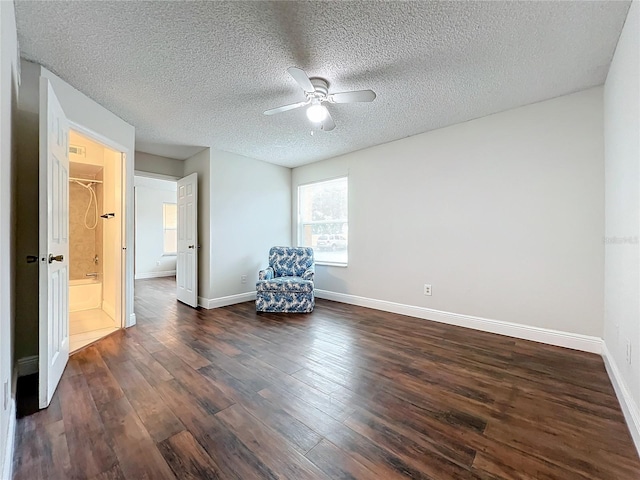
x=342 y=393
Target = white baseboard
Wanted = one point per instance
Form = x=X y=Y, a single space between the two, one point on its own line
x=132 y=320
x=574 y=341
x=6 y=467
x=629 y=407
x=28 y=365
x=163 y=273
x=225 y=301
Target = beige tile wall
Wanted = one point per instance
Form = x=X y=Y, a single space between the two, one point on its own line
x=82 y=241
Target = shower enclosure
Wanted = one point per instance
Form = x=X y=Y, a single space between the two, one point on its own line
x=95 y=177
x=85 y=234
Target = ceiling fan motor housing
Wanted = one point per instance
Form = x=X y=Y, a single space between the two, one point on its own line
x=321 y=89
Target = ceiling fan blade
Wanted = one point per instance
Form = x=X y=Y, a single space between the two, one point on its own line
x=301 y=78
x=328 y=124
x=284 y=108
x=351 y=97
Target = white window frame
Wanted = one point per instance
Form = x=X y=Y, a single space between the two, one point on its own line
x=300 y=225
x=165 y=229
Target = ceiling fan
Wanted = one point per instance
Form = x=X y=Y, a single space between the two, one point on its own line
x=317 y=93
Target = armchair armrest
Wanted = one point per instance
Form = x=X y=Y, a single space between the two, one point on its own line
x=266 y=274
x=309 y=273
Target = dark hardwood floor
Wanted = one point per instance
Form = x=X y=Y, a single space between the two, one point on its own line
x=344 y=392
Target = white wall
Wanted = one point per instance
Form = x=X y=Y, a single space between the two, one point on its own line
x=151 y=194
x=622 y=210
x=200 y=163
x=155 y=164
x=8 y=156
x=502 y=215
x=250 y=213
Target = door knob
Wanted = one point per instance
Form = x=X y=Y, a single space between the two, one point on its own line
x=56 y=258
x=191 y=246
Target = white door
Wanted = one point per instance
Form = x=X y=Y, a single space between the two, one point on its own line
x=54 y=243
x=187 y=264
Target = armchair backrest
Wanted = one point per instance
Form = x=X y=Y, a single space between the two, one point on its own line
x=290 y=261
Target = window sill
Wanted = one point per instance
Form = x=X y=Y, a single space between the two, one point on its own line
x=331 y=264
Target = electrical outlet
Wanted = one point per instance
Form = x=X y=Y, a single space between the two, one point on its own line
x=427 y=289
x=243 y=279
x=628 y=351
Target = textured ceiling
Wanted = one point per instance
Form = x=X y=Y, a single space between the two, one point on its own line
x=200 y=74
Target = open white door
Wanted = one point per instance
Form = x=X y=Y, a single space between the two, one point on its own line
x=187 y=263
x=54 y=243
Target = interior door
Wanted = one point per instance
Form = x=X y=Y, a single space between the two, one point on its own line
x=54 y=243
x=187 y=262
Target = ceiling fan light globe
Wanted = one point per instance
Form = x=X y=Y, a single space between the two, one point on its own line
x=317 y=113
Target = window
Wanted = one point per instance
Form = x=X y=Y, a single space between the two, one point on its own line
x=323 y=220
x=170 y=228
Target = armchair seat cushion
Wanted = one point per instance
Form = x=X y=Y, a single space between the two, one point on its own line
x=285 y=284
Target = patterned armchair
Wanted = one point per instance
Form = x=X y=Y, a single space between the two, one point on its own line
x=286 y=285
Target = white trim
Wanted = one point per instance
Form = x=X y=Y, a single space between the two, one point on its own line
x=330 y=264
x=132 y=320
x=6 y=467
x=27 y=365
x=163 y=273
x=629 y=407
x=209 y=303
x=543 y=335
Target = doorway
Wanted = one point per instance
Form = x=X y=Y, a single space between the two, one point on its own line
x=95 y=239
x=62 y=110
x=166 y=231
x=155 y=221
